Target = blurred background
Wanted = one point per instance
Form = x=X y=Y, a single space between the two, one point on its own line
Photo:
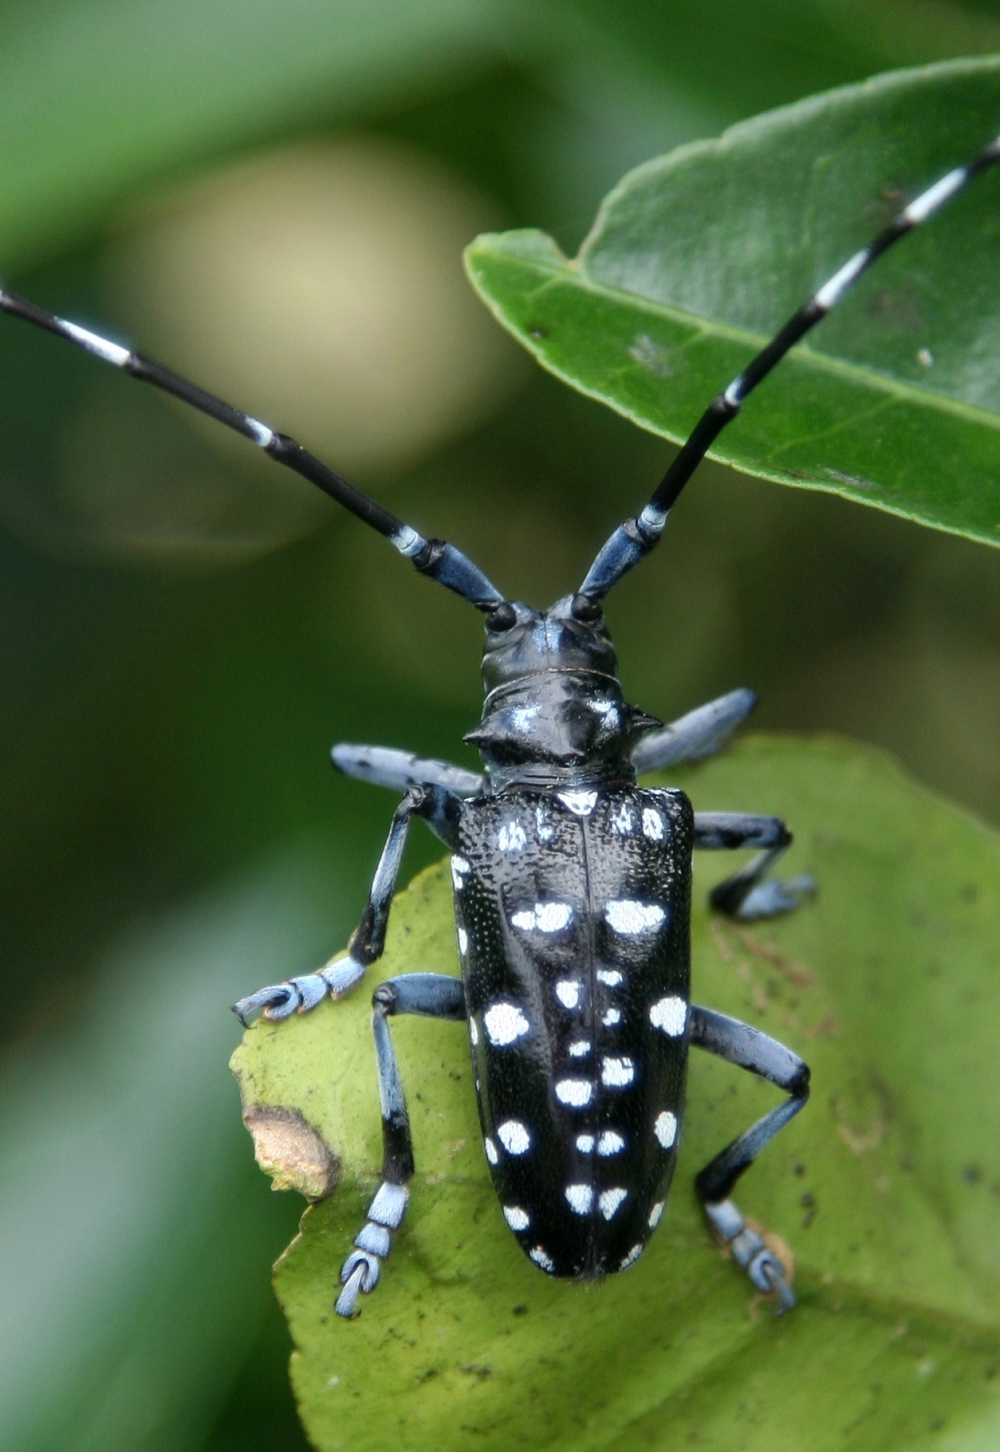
x=273 y=199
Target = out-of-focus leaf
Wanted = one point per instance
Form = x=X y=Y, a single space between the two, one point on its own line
x=134 y=1246
x=98 y=97
x=697 y=257
x=886 y=1187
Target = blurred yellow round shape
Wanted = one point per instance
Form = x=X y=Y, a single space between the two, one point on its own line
x=320 y=288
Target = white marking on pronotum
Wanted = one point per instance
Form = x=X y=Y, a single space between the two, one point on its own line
x=579 y=1049
x=388 y=1206
x=609 y=1200
x=929 y=201
x=491 y=1151
x=665 y=1128
x=611 y=1016
x=544 y=824
x=473 y=1032
x=574 y=1092
x=580 y=803
x=514 y=1137
x=539 y=1256
x=830 y=292
x=459 y=867
x=102 y=347
x=262 y=435
x=544 y=917
x=610 y=976
x=511 y=837
x=504 y=1022
x=632 y=1256
x=654 y=1214
x=610 y=1143
x=653 y=518
x=627 y=916
x=670 y=1015
x=622 y=820
x=522 y=716
x=516 y=1218
x=463 y=942
x=585 y=1143
x=580 y=1198
x=652 y=824
x=407 y=541
x=616 y=1073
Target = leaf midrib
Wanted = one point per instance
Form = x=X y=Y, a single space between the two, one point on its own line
x=802 y=356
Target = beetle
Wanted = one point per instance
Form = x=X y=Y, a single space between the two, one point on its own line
x=572 y=883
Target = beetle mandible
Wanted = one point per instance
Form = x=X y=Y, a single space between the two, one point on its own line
x=572 y=883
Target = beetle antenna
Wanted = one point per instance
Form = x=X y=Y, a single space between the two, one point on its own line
x=433 y=557
x=636 y=537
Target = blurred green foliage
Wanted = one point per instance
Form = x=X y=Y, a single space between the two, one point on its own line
x=172 y=832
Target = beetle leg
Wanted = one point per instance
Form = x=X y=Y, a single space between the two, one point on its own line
x=434 y=995
x=747 y=1047
x=749 y=893
x=385 y=766
x=700 y=733
x=442 y=810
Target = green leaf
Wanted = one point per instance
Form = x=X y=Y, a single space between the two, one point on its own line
x=887 y=1186
x=696 y=258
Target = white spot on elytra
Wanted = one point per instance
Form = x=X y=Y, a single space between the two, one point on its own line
x=544 y=917
x=585 y=1143
x=568 y=992
x=616 y=1073
x=491 y=1151
x=544 y=824
x=610 y=1143
x=574 y=1092
x=539 y=1256
x=622 y=821
x=463 y=942
x=580 y=1198
x=504 y=1022
x=654 y=1215
x=665 y=1128
x=652 y=824
x=627 y=916
x=632 y=1256
x=579 y=1049
x=473 y=1032
x=514 y=1137
x=516 y=1218
x=670 y=1015
x=610 y=976
x=459 y=867
x=611 y=1017
x=609 y=1200
x=511 y=837
x=581 y=804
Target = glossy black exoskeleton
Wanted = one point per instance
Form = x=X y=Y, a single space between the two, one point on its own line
x=572 y=883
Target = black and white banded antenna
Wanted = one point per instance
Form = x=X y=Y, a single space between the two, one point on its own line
x=636 y=537
x=434 y=557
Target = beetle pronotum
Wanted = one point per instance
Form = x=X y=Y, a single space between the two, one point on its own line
x=572 y=884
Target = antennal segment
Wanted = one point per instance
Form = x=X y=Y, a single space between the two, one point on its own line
x=433 y=557
x=636 y=537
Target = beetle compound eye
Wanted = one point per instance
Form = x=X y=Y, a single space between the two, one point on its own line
x=504 y=617
x=586 y=609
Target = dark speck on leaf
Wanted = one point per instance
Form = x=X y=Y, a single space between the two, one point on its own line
x=519 y=1311
x=971 y=1174
x=537 y=331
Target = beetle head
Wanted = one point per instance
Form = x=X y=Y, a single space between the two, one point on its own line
x=554 y=707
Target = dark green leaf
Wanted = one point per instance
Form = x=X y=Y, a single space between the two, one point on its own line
x=887 y=1187
x=697 y=257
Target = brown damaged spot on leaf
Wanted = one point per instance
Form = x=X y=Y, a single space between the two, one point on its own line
x=289 y=1149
